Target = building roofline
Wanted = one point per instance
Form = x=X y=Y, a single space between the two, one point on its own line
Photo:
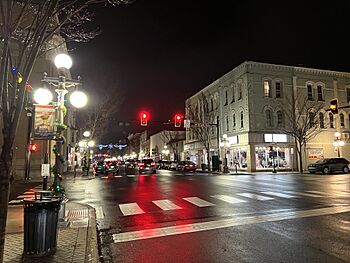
x=293 y=69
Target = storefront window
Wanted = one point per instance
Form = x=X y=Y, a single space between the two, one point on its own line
x=238 y=155
x=280 y=156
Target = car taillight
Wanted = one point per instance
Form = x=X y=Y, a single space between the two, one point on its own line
x=142 y=164
x=136 y=162
x=153 y=163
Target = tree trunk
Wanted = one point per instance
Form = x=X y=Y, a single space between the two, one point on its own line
x=300 y=159
x=5 y=175
x=208 y=159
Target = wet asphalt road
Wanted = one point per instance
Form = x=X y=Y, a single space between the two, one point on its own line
x=186 y=217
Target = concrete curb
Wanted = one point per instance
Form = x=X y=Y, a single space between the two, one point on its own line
x=91 y=244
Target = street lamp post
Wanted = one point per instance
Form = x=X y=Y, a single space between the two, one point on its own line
x=225 y=144
x=338 y=142
x=78 y=99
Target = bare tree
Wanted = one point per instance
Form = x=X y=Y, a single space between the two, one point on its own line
x=28 y=29
x=202 y=114
x=302 y=121
x=100 y=116
x=172 y=139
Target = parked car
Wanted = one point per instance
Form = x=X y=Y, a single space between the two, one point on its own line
x=162 y=164
x=172 y=166
x=186 y=166
x=147 y=165
x=329 y=165
x=99 y=167
x=112 y=167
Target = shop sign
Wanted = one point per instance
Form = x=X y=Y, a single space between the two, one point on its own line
x=314 y=153
x=233 y=139
x=275 y=137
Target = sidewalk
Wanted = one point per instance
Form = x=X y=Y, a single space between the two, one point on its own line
x=75 y=243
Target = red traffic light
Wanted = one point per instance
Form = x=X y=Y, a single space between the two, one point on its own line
x=34 y=147
x=144 y=118
x=178 y=119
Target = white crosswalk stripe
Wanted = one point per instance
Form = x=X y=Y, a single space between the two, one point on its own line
x=303 y=194
x=29 y=194
x=198 y=201
x=166 y=204
x=279 y=194
x=255 y=196
x=130 y=209
x=228 y=199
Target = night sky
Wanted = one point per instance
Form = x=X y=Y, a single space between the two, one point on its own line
x=156 y=53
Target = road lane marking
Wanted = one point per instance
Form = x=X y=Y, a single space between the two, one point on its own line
x=198 y=201
x=303 y=194
x=255 y=196
x=228 y=199
x=166 y=204
x=279 y=194
x=130 y=209
x=224 y=223
x=99 y=212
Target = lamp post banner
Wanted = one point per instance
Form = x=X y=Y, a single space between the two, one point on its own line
x=44 y=122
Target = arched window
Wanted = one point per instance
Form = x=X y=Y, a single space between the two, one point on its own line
x=311 y=119
x=269 y=120
x=342 y=120
x=233 y=94
x=331 y=120
x=226 y=97
x=279 y=89
x=211 y=104
x=227 y=124
x=241 y=119
x=234 y=120
x=240 y=90
x=321 y=116
x=280 y=119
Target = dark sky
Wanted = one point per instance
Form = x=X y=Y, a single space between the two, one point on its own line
x=157 y=53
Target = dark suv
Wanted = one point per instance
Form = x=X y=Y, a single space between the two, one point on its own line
x=329 y=165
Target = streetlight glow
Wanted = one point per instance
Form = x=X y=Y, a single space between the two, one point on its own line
x=63 y=61
x=81 y=144
x=91 y=144
x=78 y=99
x=43 y=96
x=86 y=134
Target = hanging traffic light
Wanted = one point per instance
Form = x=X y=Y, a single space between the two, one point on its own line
x=334 y=106
x=144 y=118
x=178 y=119
x=33 y=147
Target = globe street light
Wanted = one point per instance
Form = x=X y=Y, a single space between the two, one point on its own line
x=338 y=142
x=43 y=96
x=86 y=134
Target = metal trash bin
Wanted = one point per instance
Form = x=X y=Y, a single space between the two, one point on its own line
x=40 y=226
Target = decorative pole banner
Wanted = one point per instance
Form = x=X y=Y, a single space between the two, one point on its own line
x=44 y=120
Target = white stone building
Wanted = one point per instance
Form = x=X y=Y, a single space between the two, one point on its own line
x=250 y=102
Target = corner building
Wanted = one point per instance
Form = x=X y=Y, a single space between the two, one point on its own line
x=250 y=102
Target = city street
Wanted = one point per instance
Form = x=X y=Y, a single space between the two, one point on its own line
x=197 y=217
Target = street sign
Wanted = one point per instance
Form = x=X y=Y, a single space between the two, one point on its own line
x=187 y=123
x=45 y=170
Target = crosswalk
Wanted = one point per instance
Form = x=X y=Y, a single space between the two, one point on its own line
x=30 y=194
x=128 y=209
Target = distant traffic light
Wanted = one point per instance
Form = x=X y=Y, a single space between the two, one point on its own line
x=178 y=119
x=34 y=147
x=144 y=118
x=334 y=106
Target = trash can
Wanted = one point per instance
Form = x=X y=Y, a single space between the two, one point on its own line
x=40 y=226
